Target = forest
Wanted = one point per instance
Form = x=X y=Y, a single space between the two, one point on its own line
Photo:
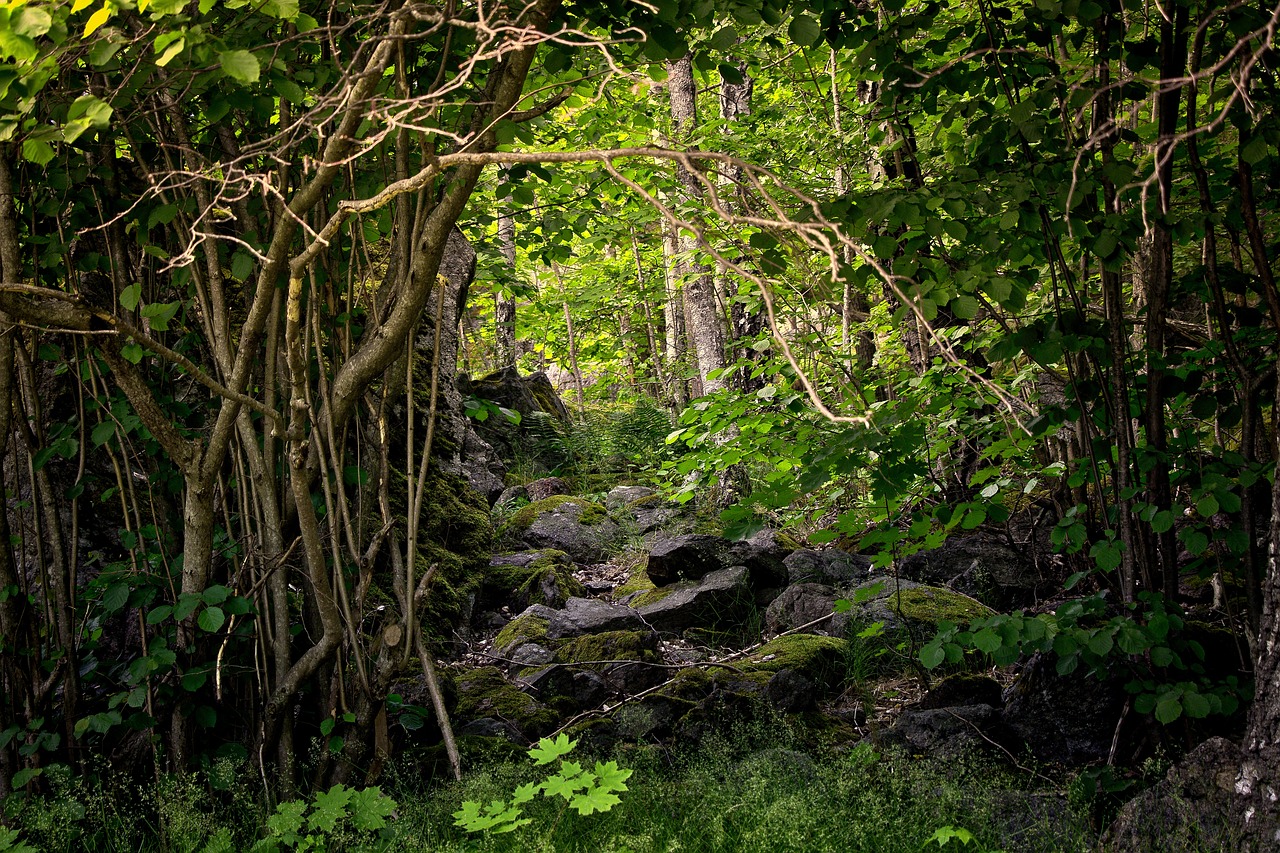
x=849 y=425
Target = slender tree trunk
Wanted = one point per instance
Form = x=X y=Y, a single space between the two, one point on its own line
x=706 y=329
x=505 y=304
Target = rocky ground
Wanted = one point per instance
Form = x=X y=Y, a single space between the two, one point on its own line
x=614 y=622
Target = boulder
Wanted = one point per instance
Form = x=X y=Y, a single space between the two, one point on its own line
x=544 y=625
x=567 y=690
x=945 y=733
x=959 y=690
x=1069 y=719
x=611 y=654
x=803 y=604
x=687 y=557
x=828 y=566
x=620 y=497
x=981 y=566
x=542 y=576
x=719 y=599
x=692 y=555
x=903 y=605
x=485 y=693
x=1193 y=808
x=540 y=490
x=790 y=692
x=574 y=525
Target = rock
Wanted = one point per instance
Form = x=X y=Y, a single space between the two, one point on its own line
x=574 y=525
x=592 y=616
x=960 y=690
x=819 y=659
x=539 y=623
x=905 y=605
x=529 y=627
x=510 y=495
x=829 y=566
x=620 y=497
x=1069 y=719
x=687 y=557
x=719 y=599
x=567 y=690
x=489 y=727
x=980 y=566
x=543 y=576
x=692 y=555
x=617 y=648
x=1191 y=809
x=547 y=487
x=802 y=604
x=790 y=692
x=946 y=733
x=483 y=692
x=531 y=654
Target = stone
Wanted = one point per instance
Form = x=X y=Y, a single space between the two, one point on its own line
x=568 y=690
x=790 y=692
x=531 y=654
x=489 y=727
x=1190 y=810
x=540 y=623
x=945 y=733
x=692 y=555
x=959 y=690
x=484 y=692
x=1069 y=719
x=980 y=566
x=574 y=525
x=803 y=604
x=627 y=660
x=510 y=495
x=546 y=487
x=620 y=497
x=905 y=605
x=687 y=557
x=828 y=566
x=542 y=576
x=719 y=599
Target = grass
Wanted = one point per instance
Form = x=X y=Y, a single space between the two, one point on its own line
x=745 y=791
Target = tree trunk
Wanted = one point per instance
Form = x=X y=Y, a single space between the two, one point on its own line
x=504 y=303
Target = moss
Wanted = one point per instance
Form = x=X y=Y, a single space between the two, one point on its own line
x=525 y=628
x=610 y=645
x=525 y=516
x=546 y=397
x=484 y=692
x=637 y=582
x=525 y=585
x=934 y=605
x=817 y=658
x=456 y=535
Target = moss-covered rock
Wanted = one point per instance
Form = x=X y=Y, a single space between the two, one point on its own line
x=543 y=576
x=591 y=512
x=904 y=605
x=637 y=582
x=484 y=692
x=525 y=628
x=820 y=659
x=577 y=526
x=610 y=646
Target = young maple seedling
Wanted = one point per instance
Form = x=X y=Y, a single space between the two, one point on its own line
x=588 y=791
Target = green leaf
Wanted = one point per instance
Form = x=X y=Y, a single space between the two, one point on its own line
x=965 y=307
x=1195 y=704
x=102 y=433
x=370 y=809
x=1207 y=506
x=37 y=151
x=240 y=65
x=211 y=619
x=804 y=30
x=986 y=641
x=1168 y=709
x=548 y=751
x=92 y=108
x=932 y=656
x=329 y=808
x=130 y=296
x=115 y=597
